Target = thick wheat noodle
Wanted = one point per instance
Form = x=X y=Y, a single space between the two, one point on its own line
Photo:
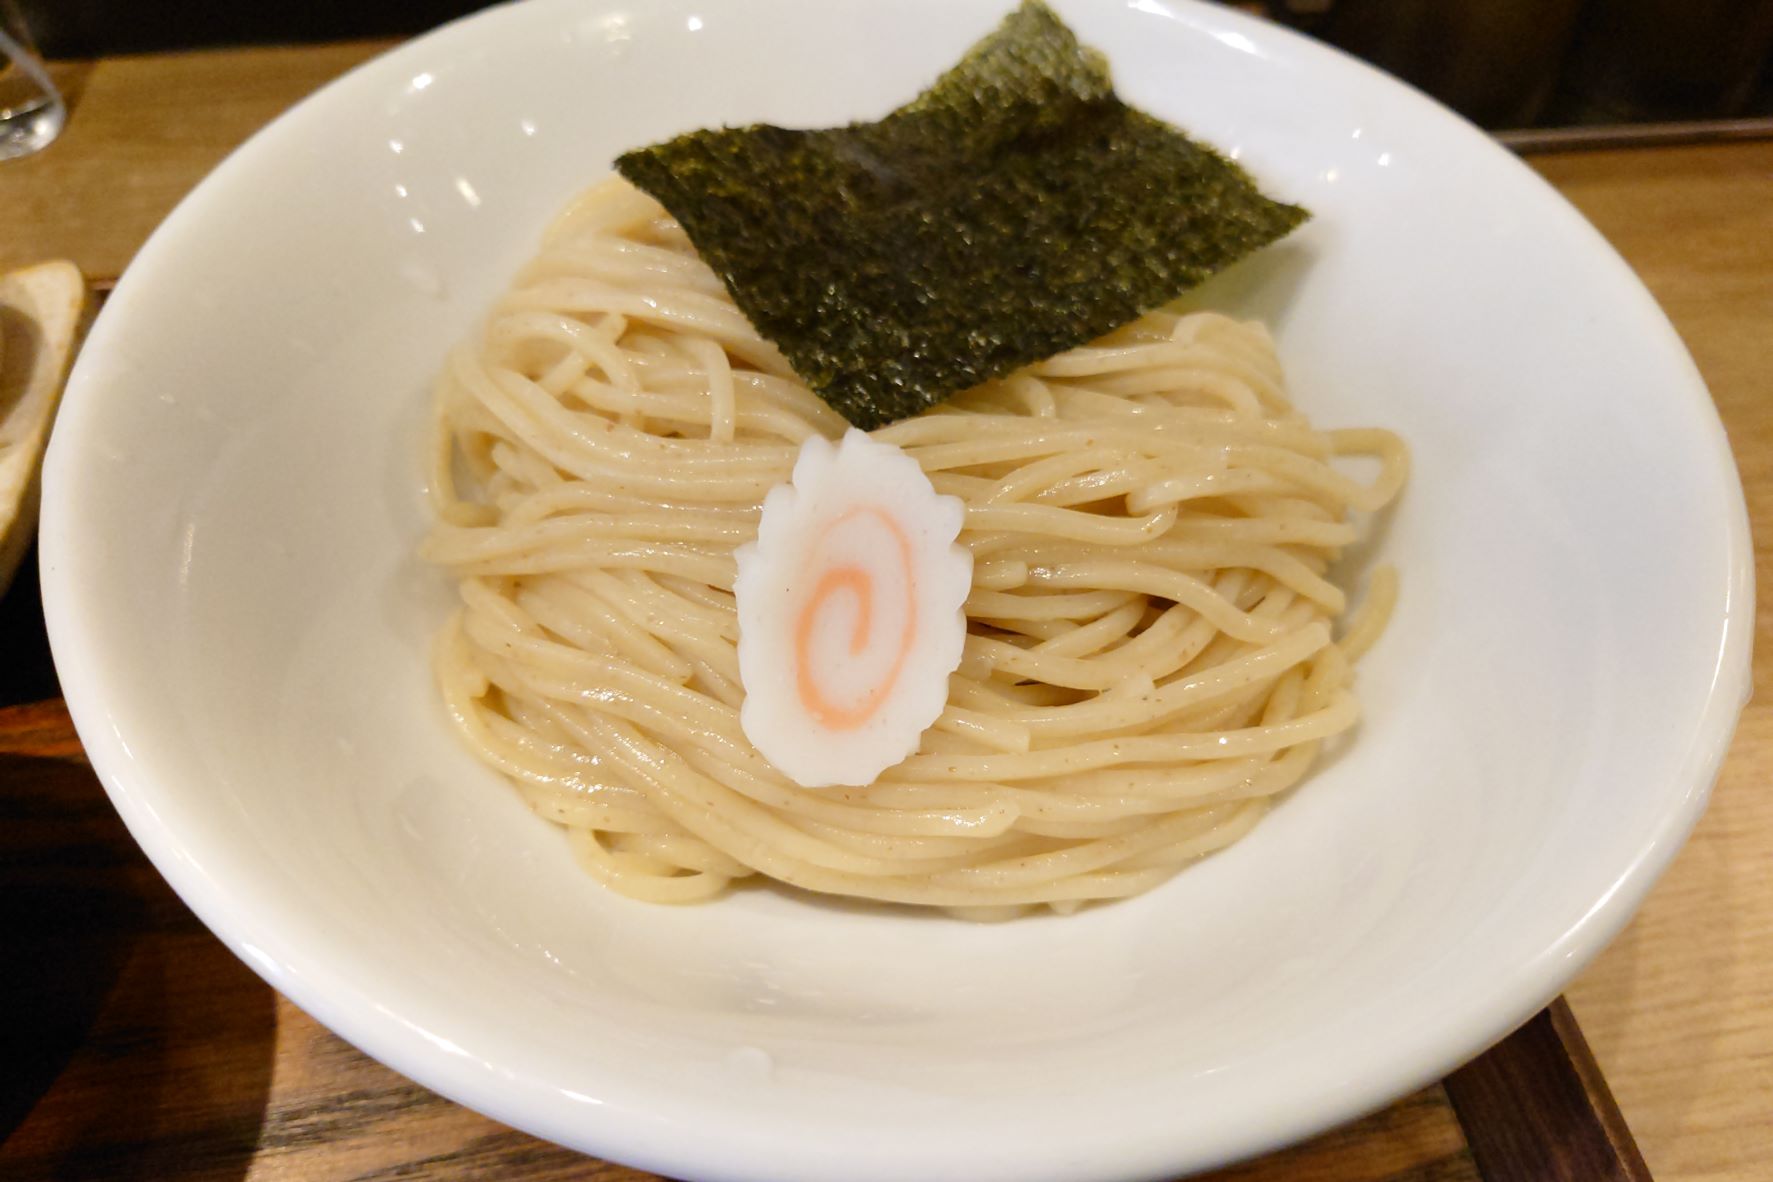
x=1153 y=655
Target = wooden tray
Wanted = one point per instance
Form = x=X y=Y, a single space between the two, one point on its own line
x=138 y=1047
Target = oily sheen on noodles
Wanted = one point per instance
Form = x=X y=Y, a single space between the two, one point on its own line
x=1153 y=652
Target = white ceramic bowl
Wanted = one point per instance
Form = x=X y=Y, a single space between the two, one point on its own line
x=233 y=498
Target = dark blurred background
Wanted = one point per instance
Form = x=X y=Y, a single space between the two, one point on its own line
x=1502 y=63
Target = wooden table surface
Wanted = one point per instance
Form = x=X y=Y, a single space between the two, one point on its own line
x=136 y=1047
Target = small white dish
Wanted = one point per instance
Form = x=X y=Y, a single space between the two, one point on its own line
x=233 y=497
x=40 y=312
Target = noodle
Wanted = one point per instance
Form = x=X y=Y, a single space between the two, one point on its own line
x=1150 y=658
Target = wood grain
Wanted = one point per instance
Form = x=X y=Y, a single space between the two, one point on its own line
x=1680 y=1009
x=141 y=132
x=1537 y=1109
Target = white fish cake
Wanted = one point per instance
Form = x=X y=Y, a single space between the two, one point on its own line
x=851 y=612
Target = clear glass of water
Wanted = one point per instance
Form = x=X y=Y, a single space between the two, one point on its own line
x=31 y=110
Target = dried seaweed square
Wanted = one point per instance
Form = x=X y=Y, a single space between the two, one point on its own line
x=1015 y=209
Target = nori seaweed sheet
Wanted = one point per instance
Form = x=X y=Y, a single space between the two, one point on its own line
x=1014 y=210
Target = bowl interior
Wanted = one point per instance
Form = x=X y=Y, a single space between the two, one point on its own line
x=235 y=493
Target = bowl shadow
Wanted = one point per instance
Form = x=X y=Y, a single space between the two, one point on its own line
x=137 y=1046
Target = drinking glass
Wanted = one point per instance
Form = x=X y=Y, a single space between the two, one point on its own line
x=31 y=109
